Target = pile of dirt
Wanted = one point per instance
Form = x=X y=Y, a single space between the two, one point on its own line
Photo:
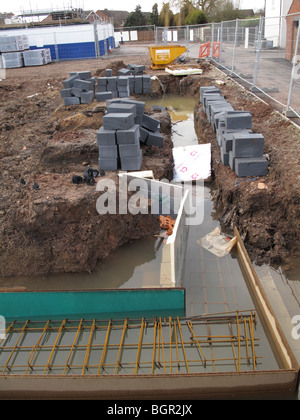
x=49 y=224
x=265 y=210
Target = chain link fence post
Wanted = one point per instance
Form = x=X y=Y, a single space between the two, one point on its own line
x=234 y=46
x=258 y=47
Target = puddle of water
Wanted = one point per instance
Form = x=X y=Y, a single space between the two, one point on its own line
x=181 y=110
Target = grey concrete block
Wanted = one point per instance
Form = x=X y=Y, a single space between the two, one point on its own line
x=211 y=97
x=66 y=93
x=224 y=157
x=123 y=80
x=87 y=97
x=140 y=105
x=238 y=119
x=143 y=135
x=132 y=163
x=108 y=72
x=76 y=92
x=101 y=81
x=107 y=164
x=112 y=82
x=123 y=72
x=69 y=82
x=231 y=160
x=155 y=139
x=83 y=84
x=101 y=88
x=146 y=80
x=129 y=136
x=214 y=107
x=124 y=94
x=103 y=96
x=72 y=101
x=106 y=137
x=208 y=89
x=150 y=123
x=121 y=108
x=116 y=121
x=247 y=145
x=137 y=69
x=129 y=150
x=146 y=89
x=83 y=75
x=108 y=152
x=251 y=166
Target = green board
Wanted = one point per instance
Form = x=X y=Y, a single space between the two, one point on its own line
x=92 y=303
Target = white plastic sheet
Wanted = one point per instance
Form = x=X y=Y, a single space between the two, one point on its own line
x=217 y=243
x=192 y=162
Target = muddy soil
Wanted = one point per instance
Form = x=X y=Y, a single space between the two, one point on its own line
x=56 y=227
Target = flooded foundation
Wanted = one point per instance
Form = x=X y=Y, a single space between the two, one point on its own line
x=213 y=348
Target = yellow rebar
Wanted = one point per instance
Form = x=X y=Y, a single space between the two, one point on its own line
x=104 y=347
x=35 y=347
x=176 y=343
x=154 y=347
x=54 y=346
x=88 y=348
x=15 y=346
x=252 y=340
x=239 y=342
x=170 y=333
x=121 y=344
x=162 y=346
x=139 y=347
x=7 y=331
x=72 y=347
x=183 y=348
x=195 y=338
x=246 y=339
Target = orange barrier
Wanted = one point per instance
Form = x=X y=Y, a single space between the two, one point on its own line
x=204 y=50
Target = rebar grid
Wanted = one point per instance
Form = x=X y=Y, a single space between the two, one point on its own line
x=208 y=343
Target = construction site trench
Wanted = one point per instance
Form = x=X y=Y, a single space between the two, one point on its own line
x=49 y=225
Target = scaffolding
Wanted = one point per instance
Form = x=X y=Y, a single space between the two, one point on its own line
x=222 y=342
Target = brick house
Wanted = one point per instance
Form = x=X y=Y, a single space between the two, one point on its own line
x=292 y=24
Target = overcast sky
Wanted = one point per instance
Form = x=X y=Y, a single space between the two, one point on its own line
x=129 y=5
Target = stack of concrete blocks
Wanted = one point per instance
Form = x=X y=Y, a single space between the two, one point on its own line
x=13 y=60
x=123 y=87
x=14 y=43
x=240 y=148
x=39 y=57
x=118 y=138
x=138 y=82
x=11 y=48
x=149 y=127
x=79 y=88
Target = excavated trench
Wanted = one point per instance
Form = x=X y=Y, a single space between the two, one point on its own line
x=56 y=227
